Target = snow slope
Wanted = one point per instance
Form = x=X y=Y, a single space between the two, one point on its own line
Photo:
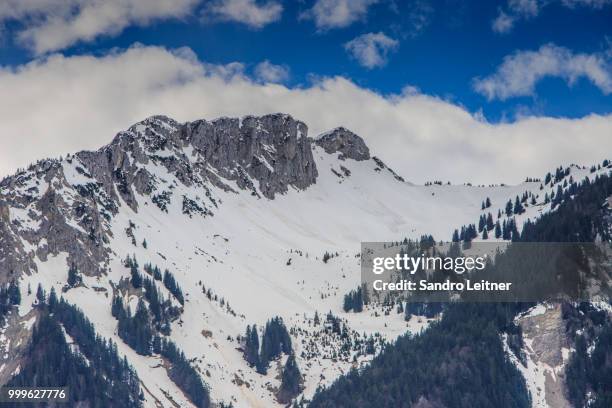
x=264 y=258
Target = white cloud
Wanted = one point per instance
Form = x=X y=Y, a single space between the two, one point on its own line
x=371 y=50
x=267 y=72
x=526 y=8
x=503 y=23
x=60 y=104
x=253 y=13
x=520 y=72
x=328 y=14
x=49 y=25
x=517 y=10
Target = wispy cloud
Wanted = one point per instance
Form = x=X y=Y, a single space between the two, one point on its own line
x=371 y=50
x=49 y=25
x=503 y=23
x=520 y=72
x=420 y=14
x=266 y=72
x=518 y=10
x=253 y=13
x=329 y=14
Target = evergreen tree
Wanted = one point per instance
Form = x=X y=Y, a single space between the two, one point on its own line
x=74 y=278
x=136 y=278
x=290 y=381
x=509 y=208
x=512 y=230
x=40 y=295
x=348 y=302
x=518 y=207
x=172 y=286
x=251 y=348
x=10 y=296
x=14 y=294
x=354 y=300
x=136 y=330
x=358 y=302
x=117 y=309
x=157 y=345
x=490 y=224
x=576 y=373
x=142 y=331
x=275 y=340
x=52 y=300
x=506 y=231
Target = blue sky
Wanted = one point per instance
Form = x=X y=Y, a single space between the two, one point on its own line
x=440 y=47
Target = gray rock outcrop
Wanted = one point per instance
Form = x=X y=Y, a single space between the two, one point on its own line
x=347 y=143
x=274 y=150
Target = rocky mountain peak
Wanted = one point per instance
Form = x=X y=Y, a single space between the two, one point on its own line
x=268 y=153
x=68 y=205
x=273 y=150
x=344 y=141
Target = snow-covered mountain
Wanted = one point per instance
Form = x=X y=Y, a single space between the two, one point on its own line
x=244 y=209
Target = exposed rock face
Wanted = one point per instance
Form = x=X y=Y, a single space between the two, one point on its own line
x=14 y=343
x=13 y=256
x=345 y=142
x=42 y=214
x=273 y=149
x=66 y=206
x=545 y=340
x=548 y=334
x=118 y=167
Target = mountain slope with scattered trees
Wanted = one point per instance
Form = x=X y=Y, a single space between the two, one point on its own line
x=460 y=361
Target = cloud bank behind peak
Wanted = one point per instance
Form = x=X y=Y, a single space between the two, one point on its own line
x=61 y=104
